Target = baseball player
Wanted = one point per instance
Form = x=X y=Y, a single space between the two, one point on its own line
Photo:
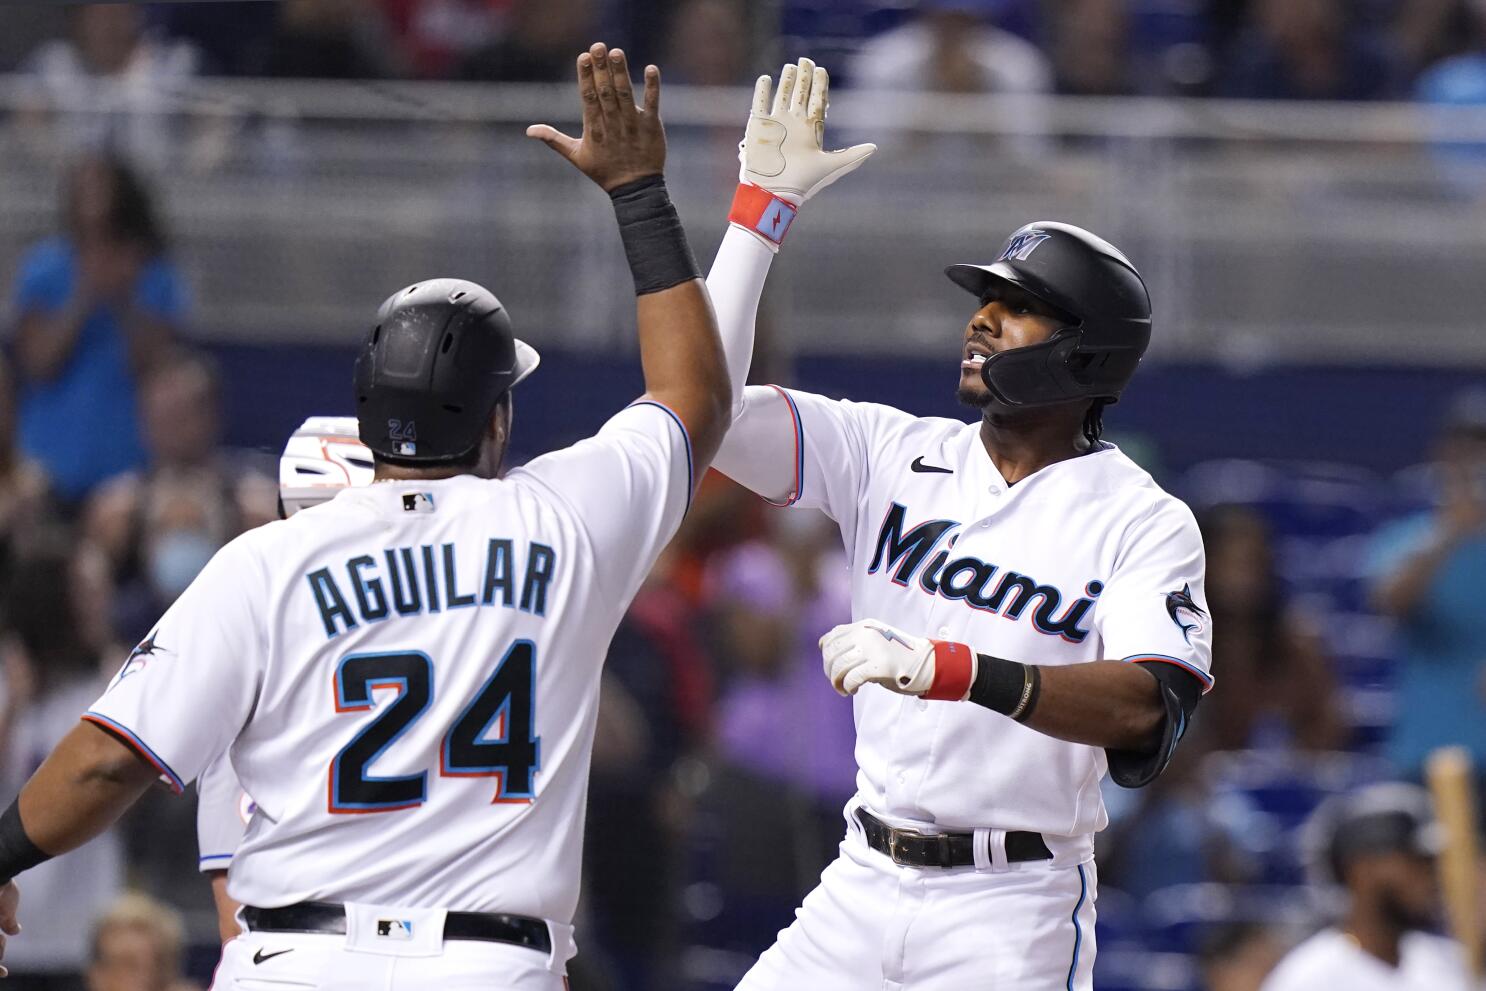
x=1378 y=844
x=1028 y=602
x=322 y=457
x=406 y=677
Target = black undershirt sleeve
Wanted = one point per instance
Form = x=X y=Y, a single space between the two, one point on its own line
x=1180 y=692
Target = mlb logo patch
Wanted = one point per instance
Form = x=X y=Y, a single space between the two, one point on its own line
x=405 y=447
x=417 y=502
x=776 y=220
x=395 y=928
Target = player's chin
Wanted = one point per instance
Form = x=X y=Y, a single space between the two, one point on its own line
x=972 y=391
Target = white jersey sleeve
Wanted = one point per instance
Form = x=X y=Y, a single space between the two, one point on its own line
x=221 y=815
x=800 y=449
x=185 y=692
x=628 y=486
x=1154 y=607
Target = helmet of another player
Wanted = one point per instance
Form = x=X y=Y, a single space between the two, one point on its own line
x=433 y=368
x=322 y=457
x=1100 y=299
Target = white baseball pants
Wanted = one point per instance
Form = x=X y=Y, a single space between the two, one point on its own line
x=363 y=961
x=872 y=925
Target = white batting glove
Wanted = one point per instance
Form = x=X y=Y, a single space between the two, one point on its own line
x=781 y=157
x=872 y=651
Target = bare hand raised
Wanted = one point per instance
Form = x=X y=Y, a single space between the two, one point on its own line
x=621 y=142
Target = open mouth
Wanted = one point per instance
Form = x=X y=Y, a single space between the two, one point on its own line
x=974 y=358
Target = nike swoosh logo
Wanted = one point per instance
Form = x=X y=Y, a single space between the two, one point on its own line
x=919 y=466
x=260 y=956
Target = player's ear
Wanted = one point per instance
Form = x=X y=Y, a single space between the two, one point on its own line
x=500 y=422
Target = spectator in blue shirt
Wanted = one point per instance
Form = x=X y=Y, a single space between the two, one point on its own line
x=1428 y=573
x=99 y=307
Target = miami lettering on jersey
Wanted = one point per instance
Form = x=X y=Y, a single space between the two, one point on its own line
x=911 y=554
x=409 y=581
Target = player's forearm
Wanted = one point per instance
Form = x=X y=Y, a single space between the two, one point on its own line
x=1109 y=704
x=683 y=362
x=227 y=927
x=88 y=782
x=736 y=284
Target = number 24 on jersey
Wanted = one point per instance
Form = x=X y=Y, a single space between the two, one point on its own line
x=492 y=738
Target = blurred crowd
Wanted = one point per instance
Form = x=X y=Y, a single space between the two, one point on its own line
x=1347 y=643
x=115 y=55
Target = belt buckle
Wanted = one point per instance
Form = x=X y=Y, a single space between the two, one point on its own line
x=894 y=835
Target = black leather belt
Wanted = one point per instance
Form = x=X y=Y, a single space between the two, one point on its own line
x=330 y=919
x=914 y=849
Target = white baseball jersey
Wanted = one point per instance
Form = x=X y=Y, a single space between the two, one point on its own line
x=1332 y=959
x=407 y=675
x=320 y=458
x=1086 y=559
x=223 y=811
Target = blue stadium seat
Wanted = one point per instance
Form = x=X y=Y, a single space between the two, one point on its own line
x=1180 y=917
x=1262 y=798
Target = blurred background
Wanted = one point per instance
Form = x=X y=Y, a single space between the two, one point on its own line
x=201 y=205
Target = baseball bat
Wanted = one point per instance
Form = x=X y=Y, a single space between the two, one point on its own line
x=1451 y=780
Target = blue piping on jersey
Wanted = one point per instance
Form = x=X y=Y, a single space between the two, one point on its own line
x=1078 y=933
x=139 y=747
x=691 y=478
x=217 y=856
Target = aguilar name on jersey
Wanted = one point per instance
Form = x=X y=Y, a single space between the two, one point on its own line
x=410 y=674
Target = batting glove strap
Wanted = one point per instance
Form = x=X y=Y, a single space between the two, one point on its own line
x=954 y=672
x=762 y=213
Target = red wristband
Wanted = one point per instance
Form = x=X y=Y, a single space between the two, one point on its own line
x=758 y=210
x=954 y=670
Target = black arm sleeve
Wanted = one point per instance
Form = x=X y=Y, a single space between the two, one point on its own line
x=1180 y=692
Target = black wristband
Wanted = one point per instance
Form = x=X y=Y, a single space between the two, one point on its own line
x=654 y=241
x=17 y=852
x=1005 y=686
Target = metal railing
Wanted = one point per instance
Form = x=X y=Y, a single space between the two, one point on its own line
x=1267 y=232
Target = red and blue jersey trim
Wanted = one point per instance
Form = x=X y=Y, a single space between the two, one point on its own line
x=691 y=476
x=1187 y=666
x=798 y=488
x=130 y=739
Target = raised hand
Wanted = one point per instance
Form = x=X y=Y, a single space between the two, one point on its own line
x=621 y=142
x=783 y=150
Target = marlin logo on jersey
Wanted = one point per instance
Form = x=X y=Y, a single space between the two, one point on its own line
x=1020 y=247
x=1177 y=601
x=910 y=555
x=139 y=657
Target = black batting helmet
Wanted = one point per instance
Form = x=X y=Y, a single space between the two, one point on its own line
x=432 y=369
x=1392 y=817
x=1096 y=289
